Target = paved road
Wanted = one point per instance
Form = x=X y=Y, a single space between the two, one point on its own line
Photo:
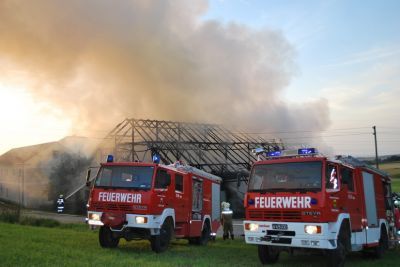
x=63 y=218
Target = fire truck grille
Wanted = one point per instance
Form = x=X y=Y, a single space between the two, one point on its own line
x=276 y=215
x=102 y=206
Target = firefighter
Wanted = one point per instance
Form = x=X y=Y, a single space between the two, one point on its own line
x=226 y=220
x=60 y=204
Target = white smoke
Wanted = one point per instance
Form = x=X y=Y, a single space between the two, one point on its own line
x=102 y=61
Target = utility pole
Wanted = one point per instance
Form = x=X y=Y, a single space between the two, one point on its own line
x=376 y=148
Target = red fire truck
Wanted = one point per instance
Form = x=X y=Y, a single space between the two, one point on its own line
x=302 y=200
x=136 y=200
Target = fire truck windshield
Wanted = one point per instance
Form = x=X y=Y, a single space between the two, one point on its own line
x=291 y=176
x=138 y=177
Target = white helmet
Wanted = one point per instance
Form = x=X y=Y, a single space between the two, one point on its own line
x=397 y=203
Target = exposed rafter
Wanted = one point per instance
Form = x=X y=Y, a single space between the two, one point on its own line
x=209 y=147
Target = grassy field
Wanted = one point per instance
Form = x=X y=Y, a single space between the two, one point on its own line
x=393 y=168
x=75 y=245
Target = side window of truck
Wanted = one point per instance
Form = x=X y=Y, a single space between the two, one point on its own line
x=163 y=179
x=331 y=176
x=178 y=183
x=347 y=178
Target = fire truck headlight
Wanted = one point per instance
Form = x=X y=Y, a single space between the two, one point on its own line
x=253 y=227
x=94 y=216
x=312 y=229
x=140 y=219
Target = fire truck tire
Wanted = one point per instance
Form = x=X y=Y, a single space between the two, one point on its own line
x=383 y=244
x=268 y=254
x=106 y=238
x=205 y=235
x=204 y=238
x=159 y=243
x=337 y=256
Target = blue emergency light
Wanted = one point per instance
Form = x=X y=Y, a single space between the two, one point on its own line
x=307 y=151
x=110 y=158
x=274 y=153
x=156 y=158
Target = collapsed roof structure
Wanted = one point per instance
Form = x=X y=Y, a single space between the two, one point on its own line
x=210 y=147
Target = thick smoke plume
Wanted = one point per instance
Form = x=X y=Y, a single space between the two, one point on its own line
x=102 y=61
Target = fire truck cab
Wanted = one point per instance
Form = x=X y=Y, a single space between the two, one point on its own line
x=302 y=200
x=136 y=200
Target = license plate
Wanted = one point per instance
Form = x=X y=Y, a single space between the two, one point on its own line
x=279 y=226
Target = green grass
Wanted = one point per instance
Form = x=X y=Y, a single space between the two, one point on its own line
x=72 y=245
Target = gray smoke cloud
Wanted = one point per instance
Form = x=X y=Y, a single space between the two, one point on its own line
x=102 y=61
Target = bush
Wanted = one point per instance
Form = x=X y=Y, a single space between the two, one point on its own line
x=9 y=216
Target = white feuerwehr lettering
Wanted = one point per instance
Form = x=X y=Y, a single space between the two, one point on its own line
x=120 y=197
x=282 y=202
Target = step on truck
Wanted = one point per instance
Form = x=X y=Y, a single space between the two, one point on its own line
x=301 y=200
x=137 y=200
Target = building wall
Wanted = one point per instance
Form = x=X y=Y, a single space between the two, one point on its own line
x=25 y=185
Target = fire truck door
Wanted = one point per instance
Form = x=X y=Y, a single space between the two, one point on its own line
x=163 y=189
x=181 y=199
x=352 y=199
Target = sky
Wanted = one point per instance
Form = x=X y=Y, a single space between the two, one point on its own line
x=313 y=73
x=348 y=52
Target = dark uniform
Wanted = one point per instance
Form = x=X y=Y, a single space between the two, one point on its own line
x=60 y=204
x=226 y=221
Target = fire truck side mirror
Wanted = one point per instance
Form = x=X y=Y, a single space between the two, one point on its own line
x=88 y=177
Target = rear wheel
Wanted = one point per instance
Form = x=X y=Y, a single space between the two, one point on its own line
x=268 y=254
x=205 y=235
x=160 y=243
x=106 y=238
x=383 y=244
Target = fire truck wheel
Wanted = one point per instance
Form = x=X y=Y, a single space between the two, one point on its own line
x=205 y=235
x=337 y=256
x=160 y=243
x=106 y=238
x=383 y=244
x=268 y=254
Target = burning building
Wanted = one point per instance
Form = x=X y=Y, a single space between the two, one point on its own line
x=34 y=176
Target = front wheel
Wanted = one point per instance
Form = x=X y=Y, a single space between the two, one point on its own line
x=160 y=243
x=337 y=256
x=268 y=254
x=106 y=238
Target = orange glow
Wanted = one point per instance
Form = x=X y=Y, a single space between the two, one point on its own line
x=25 y=121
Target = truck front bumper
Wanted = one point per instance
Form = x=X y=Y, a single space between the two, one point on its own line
x=145 y=221
x=290 y=234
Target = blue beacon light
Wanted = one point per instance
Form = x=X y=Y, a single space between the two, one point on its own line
x=274 y=153
x=110 y=158
x=156 y=158
x=307 y=151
